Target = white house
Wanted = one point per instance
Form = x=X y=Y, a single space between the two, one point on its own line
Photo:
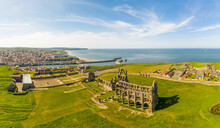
x=27 y=82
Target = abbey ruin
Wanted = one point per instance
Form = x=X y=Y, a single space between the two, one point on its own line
x=132 y=92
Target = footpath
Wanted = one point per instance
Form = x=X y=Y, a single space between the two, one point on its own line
x=184 y=81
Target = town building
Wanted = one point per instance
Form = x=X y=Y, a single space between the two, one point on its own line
x=27 y=82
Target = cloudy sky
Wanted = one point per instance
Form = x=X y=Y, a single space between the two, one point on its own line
x=110 y=23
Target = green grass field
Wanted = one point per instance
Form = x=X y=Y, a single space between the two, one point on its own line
x=13 y=108
x=180 y=105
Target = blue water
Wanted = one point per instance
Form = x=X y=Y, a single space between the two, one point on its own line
x=150 y=55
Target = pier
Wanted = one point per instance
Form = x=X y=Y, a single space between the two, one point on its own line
x=101 y=61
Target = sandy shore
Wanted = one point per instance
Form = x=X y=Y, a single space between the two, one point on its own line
x=85 y=60
x=95 y=61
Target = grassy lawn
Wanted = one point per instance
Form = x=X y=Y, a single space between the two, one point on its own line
x=13 y=108
x=69 y=81
x=95 y=86
x=108 y=76
x=76 y=75
x=53 y=103
x=85 y=119
x=204 y=64
x=136 y=68
x=64 y=78
x=180 y=105
x=158 y=67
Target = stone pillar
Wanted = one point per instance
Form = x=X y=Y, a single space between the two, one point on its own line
x=117 y=99
x=128 y=98
x=99 y=100
x=142 y=101
x=122 y=98
x=112 y=97
x=151 y=105
x=116 y=91
x=135 y=100
x=150 y=108
x=115 y=79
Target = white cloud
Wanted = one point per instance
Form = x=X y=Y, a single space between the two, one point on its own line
x=126 y=9
x=154 y=26
x=208 y=28
x=74 y=39
x=151 y=25
x=185 y=22
x=97 y=22
x=9 y=29
x=9 y=25
x=104 y=40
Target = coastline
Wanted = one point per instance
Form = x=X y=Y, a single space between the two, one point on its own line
x=84 y=60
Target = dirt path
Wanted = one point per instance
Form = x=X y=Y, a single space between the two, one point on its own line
x=100 y=105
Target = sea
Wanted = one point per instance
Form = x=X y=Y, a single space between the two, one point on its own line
x=149 y=55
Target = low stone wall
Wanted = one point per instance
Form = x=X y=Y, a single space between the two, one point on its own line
x=53 y=76
x=48 y=77
x=107 y=85
x=73 y=73
x=146 y=75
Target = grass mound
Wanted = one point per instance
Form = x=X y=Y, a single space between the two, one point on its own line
x=215 y=109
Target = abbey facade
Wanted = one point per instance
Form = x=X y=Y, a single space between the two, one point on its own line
x=132 y=92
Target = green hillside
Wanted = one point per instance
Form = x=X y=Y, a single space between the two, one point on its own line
x=180 y=104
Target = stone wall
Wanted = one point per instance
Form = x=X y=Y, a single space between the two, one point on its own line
x=109 y=86
x=132 y=92
x=138 y=93
x=146 y=75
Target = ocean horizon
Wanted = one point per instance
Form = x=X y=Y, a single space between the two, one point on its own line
x=150 y=55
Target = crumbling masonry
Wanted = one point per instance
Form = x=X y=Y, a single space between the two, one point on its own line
x=132 y=92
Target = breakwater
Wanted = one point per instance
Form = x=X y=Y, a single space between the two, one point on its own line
x=67 y=63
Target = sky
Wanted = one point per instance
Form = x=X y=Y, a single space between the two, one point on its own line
x=110 y=23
